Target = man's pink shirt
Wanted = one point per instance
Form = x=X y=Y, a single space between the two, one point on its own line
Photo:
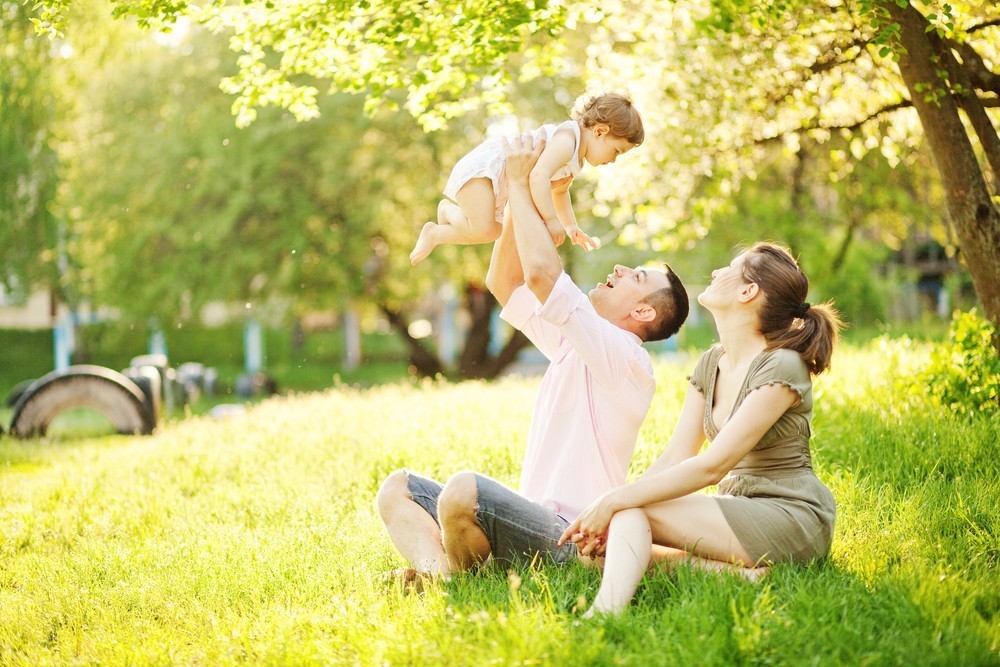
x=594 y=397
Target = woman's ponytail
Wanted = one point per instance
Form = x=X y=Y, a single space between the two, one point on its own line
x=786 y=320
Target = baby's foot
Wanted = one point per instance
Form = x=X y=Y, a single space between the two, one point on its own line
x=425 y=244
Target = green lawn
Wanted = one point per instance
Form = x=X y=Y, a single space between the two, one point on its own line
x=255 y=540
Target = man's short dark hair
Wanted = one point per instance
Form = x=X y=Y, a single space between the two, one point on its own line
x=671 y=306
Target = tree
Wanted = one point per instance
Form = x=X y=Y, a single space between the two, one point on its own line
x=944 y=74
x=729 y=77
x=890 y=57
x=28 y=170
x=171 y=207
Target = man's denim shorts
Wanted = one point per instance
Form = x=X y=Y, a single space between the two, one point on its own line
x=518 y=529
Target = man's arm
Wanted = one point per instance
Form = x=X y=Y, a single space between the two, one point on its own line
x=539 y=258
x=505 y=274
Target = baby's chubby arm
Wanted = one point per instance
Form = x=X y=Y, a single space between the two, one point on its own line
x=558 y=151
x=564 y=211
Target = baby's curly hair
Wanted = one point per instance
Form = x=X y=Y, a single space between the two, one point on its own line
x=614 y=110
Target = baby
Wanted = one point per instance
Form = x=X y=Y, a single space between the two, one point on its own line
x=602 y=128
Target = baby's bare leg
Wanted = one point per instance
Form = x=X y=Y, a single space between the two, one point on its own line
x=472 y=221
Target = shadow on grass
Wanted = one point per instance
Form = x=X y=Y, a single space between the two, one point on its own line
x=798 y=615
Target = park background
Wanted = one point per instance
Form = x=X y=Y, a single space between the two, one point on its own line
x=149 y=210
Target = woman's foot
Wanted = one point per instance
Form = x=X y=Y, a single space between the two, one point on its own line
x=425 y=243
x=754 y=574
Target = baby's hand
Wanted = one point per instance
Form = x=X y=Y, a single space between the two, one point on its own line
x=581 y=238
x=556 y=231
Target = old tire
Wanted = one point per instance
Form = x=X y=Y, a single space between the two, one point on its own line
x=102 y=389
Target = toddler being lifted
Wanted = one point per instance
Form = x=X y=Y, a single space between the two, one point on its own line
x=602 y=128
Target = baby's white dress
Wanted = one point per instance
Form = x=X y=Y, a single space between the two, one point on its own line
x=487 y=161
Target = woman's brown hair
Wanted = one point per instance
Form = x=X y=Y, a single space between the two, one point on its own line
x=785 y=318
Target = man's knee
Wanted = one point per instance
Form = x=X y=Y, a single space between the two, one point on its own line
x=394 y=490
x=459 y=498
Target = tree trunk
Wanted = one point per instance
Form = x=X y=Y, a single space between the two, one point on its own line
x=422 y=359
x=507 y=355
x=475 y=355
x=841 y=255
x=475 y=361
x=975 y=218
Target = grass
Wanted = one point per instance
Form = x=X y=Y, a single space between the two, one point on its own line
x=254 y=540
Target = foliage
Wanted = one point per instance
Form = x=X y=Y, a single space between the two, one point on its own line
x=256 y=540
x=963 y=373
x=28 y=170
x=765 y=72
x=742 y=85
x=736 y=76
x=24 y=355
x=448 y=58
x=164 y=190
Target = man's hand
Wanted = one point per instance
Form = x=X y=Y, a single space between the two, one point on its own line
x=539 y=258
x=522 y=153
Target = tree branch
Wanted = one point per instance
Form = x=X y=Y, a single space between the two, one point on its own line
x=889 y=108
x=979 y=75
x=832 y=59
x=981 y=26
x=829 y=60
x=965 y=96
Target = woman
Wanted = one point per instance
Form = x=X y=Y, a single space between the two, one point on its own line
x=751 y=396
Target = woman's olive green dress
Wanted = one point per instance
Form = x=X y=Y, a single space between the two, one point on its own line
x=775 y=504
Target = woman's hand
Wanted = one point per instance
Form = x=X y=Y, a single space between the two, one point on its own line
x=589 y=531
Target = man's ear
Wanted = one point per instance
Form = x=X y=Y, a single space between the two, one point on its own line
x=643 y=313
x=749 y=292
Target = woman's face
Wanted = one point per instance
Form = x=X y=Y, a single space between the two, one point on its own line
x=725 y=285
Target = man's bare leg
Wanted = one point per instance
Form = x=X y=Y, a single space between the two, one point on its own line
x=412 y=530
x=465 y=543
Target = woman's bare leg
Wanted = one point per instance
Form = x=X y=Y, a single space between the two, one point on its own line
x=630 y=545
x=694 y=524
x=669 y=559
x=471 y=221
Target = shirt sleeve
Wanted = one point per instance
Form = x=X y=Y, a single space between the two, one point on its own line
x=783 y=367
x=608 y=351
x=699 y=376
x=521 y=312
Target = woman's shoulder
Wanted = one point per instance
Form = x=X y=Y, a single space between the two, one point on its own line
x=781 y=366
x=702 y=368
x=710 y=356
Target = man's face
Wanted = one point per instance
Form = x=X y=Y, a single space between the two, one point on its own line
x=624 y=290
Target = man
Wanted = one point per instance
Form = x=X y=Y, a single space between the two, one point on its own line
x=593 y=398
